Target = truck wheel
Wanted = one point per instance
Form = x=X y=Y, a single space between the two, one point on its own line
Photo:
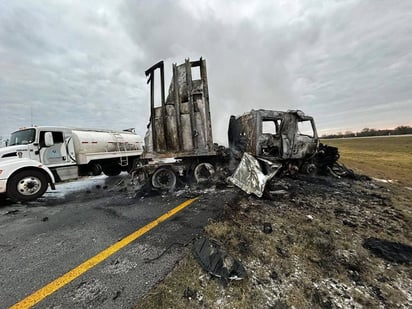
x=111 y=170
x=139 y=176
x=27 y=185
x=164 y=178
x=95 y=169
x=204 y=172
x=310 y=169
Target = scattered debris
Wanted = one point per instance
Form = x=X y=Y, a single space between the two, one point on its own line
x=189 y=293
x=217 y=261
x=278 y=193
x=147 y=260
x=282 y=252
x=339 y=170
x=116 y=295
x=304 y=263
x=391 y=251
x=11 y=212
x=384 y=180
x=267 y=228
x=119 y=266
x=93 y=291
x=349 y=223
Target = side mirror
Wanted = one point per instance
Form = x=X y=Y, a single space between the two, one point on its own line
x=48 y=139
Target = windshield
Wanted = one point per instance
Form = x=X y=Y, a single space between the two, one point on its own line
x=22 y=137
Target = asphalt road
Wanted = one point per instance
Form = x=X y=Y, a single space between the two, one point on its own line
x=42 y=240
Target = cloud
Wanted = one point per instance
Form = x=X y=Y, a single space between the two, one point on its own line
x=347 y=63
x=333 y=59
x=67 y=64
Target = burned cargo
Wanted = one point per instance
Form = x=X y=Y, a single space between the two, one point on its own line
x=179 y=141
x=180 y=126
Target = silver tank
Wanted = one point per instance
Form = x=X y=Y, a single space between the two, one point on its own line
x=86 y=142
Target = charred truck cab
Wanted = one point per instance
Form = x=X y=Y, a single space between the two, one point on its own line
x=274 y=135
x=267 y=142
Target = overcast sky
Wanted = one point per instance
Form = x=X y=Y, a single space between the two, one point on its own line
x=82 y=63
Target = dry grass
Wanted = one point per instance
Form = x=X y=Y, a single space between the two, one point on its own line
x=380 y=157
x=304 y=262
x=314 y=257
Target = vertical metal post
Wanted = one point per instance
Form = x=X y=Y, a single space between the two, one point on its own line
x=151 y=73
x=208 y=126
x=152 y=111
x=177 y=107
x=191 y=107
x=162 y=94
x=162 y=84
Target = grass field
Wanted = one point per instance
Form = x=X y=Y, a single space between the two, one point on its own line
x=380 y=157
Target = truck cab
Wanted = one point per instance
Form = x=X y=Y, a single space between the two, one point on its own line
x=48 y=145
x=274 y=135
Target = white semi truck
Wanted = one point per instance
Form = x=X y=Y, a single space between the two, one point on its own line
x=36 y=157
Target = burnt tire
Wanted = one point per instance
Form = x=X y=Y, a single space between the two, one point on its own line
x=204 y=172
x=27 y=185
x=164 y=178
x=111 y=170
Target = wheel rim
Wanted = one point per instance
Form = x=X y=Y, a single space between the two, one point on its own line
x=164 y=178
x=29 y=185
x=139 y=177
x=204 y=172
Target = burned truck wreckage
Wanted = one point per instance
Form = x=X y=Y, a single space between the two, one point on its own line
x=263 y=144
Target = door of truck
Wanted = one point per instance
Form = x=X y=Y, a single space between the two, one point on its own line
x=56 y=154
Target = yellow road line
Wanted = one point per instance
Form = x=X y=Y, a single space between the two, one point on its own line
x=60 y=282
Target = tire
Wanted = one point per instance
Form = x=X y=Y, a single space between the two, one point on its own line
x=164 y=178
x=204 y=172
x=309 y=169
x=27 y=185
x=111 y=170
x=95 y=169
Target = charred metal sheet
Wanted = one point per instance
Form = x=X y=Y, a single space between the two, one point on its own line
x=217 y=261
x=391 y=251
x=252 y=174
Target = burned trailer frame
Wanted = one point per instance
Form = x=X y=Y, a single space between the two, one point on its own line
x=180 y=126
x=179 y=141
x=275 y=135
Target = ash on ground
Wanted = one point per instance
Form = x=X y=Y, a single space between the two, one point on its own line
x=314 y=255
